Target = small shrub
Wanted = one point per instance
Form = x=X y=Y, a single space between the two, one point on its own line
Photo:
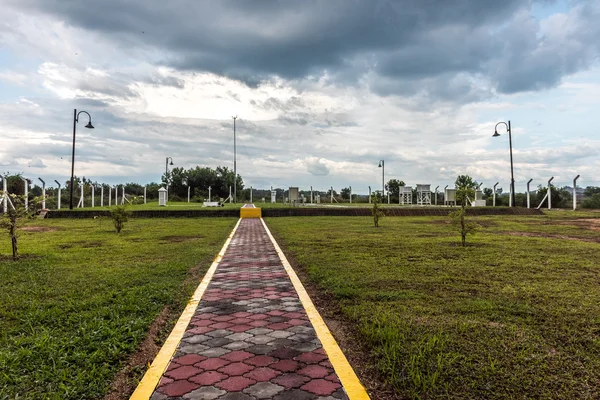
x=591 y=202
x=464 y=227
x=14 y=219
x=119 y=216
x=376 y=211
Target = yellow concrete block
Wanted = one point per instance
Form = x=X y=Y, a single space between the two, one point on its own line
x=250 y=212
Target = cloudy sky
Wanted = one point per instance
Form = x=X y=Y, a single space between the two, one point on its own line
x=322 y=89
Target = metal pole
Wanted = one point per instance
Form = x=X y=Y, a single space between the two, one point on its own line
x=189 y=193
x=82 y=195
x=92 y=186
x=382 y=179
x=109 y=195
x=73 y=159
x=4 y=194
x=43 y=193
x=311 y=195
x=123 y=197
x=250 y=194
x=145 y=187
x=234 y=164
x=350 y=194
x=332 y=195
x=575 y=192
x=512 y=174
x=116 y=195
x=102 y=195
x=494 y=202
x=436 y=188
x=369 y=194
x=529 y=194
x=167 y=176
x=58 y=202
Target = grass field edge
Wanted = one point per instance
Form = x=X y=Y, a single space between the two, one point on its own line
x=354 y=388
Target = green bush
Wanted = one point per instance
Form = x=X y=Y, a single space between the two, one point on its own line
x=591 y=202
x=119 y=216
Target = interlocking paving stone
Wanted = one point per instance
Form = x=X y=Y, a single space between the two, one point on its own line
x=250 y=338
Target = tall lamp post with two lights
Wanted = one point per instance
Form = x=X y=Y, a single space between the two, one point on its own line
x=512 y=174
x=89 y=126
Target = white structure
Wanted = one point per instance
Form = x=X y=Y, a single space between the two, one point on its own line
x=575 y=193
x=59 y=190
x=109 y=195
x=81 y=203
x=423 y=194
x=318 y=199
x=479 y=201
x=405 y=195
x=436 y=196
x=123 y=198
x=101 y=195
x=350 y=194
x=449 y=196
x=250 y=194
x=92 y=187
x=528 y=193
x=43 y=193
x=369 y=194
x=145 y=194
x=311 y=195
x=162 y=197
x=549 y=194
x=209 y=194
x=4 y=195
x=116 y=187
x=293 y=195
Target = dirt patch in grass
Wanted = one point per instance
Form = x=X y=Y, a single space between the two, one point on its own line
x=587 y=223
x=126 y=380
x=35 y=228
x=344 y=332
x=124 y=383
x=552 y=236
x=180 y=239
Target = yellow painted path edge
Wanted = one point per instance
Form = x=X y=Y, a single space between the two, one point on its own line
x=151 y=378
x=354 y=389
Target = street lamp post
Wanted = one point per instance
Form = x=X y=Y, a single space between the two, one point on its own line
x=382 y=166
x=89 y=126
x=512 y=175
x=234 y=164
x=167 y=174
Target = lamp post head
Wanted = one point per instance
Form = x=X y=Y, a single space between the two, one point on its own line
x=379 y=166
x=171 y=163
x=89 y=125
x=496 y=134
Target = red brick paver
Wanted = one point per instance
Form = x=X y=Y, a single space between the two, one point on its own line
x=250 y=337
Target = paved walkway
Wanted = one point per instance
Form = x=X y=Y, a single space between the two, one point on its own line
x=250 y=337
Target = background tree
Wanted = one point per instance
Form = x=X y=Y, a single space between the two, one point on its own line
x=393 y=186
x=345 y=193
x=561 y=198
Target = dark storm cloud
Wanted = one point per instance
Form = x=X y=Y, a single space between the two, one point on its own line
x=405 y=41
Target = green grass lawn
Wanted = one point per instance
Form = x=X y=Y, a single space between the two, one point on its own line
x=509 y=317
x=82 y=298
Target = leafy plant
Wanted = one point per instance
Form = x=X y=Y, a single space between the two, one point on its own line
x=465 y=189
x=376 y=211
x=119 y=216
x=14 y=218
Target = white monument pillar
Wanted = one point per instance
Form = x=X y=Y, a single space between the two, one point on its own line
x=26 y=193
x=549 y=194
x=4 y=194
x=93 y=195
x=575 y=193
x=494 y=194
x=209 y=193
x=59 y=194
x=43 y=193
x=82 y=200
x=528 y=194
